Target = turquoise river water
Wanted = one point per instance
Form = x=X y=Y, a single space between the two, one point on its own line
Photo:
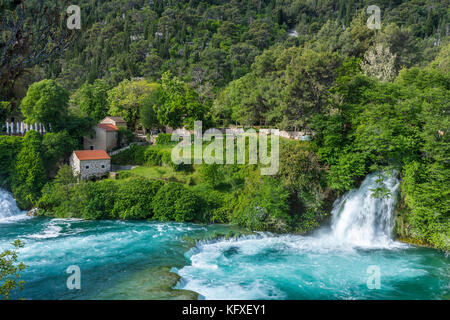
x=152 y=260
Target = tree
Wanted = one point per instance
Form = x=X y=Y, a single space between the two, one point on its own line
x=379 y=63
x=56 y=147
x=28 y=176
x=128 y=97
x=93 y=99
x=31 y=33
x=148 y=116
x=10 y=270
x=177 y=104
x=46 y=102
x=5 y=110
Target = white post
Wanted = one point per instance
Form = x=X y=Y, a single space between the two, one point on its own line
x=12 y=127
x=22 y=129
x=7 y=127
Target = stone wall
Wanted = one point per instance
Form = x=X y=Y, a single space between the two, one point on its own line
x=95 y=167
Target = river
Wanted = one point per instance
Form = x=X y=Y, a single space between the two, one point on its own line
x=152 y=260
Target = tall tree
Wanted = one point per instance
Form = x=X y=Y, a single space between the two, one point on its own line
x=46 y=102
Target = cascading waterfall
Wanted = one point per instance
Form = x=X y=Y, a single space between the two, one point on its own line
x=8 y=207
x=360 y=219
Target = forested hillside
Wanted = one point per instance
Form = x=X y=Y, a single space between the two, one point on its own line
x=372 y=99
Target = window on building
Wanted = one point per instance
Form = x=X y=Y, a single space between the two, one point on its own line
x=103 y=166
x=92 y=147
x=87 y=167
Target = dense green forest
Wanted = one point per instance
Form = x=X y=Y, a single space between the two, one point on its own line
x=372 y=99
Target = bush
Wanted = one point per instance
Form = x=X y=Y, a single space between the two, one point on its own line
x=124 y=175
x=106 y=199
x=28 y=176
x=100 y=200
x=263 y=205
x=153 y=157
x=133 y=199
x=135 y=155
x=9 y=148
x=176 y=202
x=158 y=157
x=164 y=138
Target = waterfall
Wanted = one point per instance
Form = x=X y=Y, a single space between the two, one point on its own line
x=8 y=207
x=360 y=219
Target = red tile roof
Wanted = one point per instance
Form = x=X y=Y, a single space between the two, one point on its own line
x=108 y=126
x=91 y=154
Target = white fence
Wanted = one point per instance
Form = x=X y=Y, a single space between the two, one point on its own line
x=20 y=128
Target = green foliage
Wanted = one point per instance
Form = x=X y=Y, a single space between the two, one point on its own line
x=10 y=147
x=92 y=99
x=125 y=137
x=46 y=102
x=105 y=199
x=428 y=199
x=5 y=110
x=135 y=155
x=263 y=205
x=10 y=269
x=164 y=139
x=134 y=198
x=147 y=114
x=28 y=176
x=127 y=99
x=176 y=202
x=57 y=146
x=212 y=174
x=177 y=104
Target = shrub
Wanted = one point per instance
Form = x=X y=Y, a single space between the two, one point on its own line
x=153 y=157
x=176 y=202
x=164 y=138
x=135 y=155
x=124 y=175
x=9 y=148
x=133 y=199
x=100 y=200
x=263 y=205
x=28 y=176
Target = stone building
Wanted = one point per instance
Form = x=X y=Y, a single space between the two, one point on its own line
x=116 y=121
x=88 y=163
x=105 y=137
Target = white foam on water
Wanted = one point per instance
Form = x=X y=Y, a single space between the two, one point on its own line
x=359 y=222
x=9 y=211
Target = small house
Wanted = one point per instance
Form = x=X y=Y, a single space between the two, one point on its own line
x=105 y=138
x=88 y=163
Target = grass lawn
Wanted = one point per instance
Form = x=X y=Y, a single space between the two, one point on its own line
x=166 y=173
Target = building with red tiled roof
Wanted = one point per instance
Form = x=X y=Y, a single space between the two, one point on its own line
x=105 y=137
x=88 y=163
